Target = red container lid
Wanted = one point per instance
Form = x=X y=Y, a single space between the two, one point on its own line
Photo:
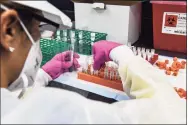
x=169 y=2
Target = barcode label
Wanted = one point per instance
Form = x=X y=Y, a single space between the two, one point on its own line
x=180 y=31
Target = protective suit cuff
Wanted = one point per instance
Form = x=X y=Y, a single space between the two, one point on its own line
x=42 y=77
x=121 y=54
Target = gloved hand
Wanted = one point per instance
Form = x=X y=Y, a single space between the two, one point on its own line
x=60 y=64
x=101 y=51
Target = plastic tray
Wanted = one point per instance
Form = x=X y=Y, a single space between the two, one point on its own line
x=50 y=48
x=84 y=45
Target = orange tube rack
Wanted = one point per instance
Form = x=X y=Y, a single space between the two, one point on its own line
x=99 y=78
x=101 y=81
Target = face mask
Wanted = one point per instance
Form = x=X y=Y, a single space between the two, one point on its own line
x=31 y=66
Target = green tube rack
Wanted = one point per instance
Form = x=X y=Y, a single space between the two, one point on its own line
x=50 y=48
x=82 y=45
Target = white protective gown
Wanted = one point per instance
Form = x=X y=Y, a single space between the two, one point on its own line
x=156 y=101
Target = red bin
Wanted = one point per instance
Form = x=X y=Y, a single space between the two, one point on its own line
x=169 y=25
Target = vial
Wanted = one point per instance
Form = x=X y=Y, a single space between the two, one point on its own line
x=112 y=75
x=58 y=33
x=80 y=35
x=144 y=55
x=64 y=33
x=81 y=42
x=147 y=51
x=152 y=52
x=143 y=50
x=72 y=34
x=129 y=44
x=138 y=49
x=64 y=39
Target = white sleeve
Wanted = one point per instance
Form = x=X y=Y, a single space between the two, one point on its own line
x=156 y=103
x=56 y=106
x=8 y=102
x=42 y=78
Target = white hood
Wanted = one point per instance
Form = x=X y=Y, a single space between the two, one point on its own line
x=47 y=9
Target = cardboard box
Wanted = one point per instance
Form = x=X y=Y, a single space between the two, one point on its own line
x=121 y=20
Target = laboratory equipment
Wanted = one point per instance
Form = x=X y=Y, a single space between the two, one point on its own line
x=92 y=37
x=84 y=39
x=107 y=76
x=80 y=35
x=52 y=47
x=72 y=34
x=148 y=54
x=72 y=53
x=138 y=49
x=129 y=44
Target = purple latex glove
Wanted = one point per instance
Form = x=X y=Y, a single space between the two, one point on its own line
x=101 y=51
x=60 y=64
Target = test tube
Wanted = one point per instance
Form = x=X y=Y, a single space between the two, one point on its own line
x=86 y=65
x=106 y=72
x=58 y=38
x=92 y=36
x=72 y=53
x=80 y=35
x=139 y=54
x=65 y=39
x=143 y=50
x=64 y=33
x=58 y=33
x=134 y=50
x=129 y=44
x=72 y=34
x=149 y=56
x=81 y=42
x=96 y=72
x=91 y=70
x=144 y=55
x=112 y=75
x=152 y=51
x=138 y=49
x=147 y=51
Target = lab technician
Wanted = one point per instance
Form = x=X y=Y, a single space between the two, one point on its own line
x=153 y=98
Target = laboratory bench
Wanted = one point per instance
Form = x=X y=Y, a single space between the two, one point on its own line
x=104 y=94
x=141 y=43
x=69 y=81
